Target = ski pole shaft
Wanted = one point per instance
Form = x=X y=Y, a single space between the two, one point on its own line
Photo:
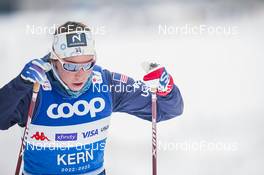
x=154 y=132
x=30 y=114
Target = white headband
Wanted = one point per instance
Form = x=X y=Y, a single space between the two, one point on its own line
x=73 y=44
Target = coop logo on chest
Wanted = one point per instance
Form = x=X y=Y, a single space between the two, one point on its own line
x=79 y=108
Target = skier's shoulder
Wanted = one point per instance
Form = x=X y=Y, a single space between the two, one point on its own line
x=112 y=76
x=100 y=74
x=100 y=70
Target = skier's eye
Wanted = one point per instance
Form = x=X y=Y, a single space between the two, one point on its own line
x=76 y=67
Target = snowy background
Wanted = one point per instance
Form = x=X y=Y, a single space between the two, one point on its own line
x=220 y=76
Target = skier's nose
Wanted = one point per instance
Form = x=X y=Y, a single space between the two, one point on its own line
x=80 y=73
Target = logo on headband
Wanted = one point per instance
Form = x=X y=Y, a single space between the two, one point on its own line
x=76 y=39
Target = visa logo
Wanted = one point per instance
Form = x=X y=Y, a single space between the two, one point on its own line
x=90 y=133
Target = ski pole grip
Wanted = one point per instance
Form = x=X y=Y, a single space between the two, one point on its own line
x=153 y=90
x=36 y=87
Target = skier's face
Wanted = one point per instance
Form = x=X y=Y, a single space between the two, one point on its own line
x=74 y=80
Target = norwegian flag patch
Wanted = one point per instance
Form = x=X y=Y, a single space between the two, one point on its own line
x=120 y=77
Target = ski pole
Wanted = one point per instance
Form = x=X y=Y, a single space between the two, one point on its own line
x=148 y=66
x=154 y=130
x=29 y=118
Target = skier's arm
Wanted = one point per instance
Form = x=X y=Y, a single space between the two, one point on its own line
x=136 y=99
x=15 y=99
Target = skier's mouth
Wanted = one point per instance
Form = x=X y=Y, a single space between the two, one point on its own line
x=77 y=84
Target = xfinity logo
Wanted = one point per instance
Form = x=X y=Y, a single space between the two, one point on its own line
x=80 y=108
x=66 y=137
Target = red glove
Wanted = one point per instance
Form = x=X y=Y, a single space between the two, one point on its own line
x=157 y=77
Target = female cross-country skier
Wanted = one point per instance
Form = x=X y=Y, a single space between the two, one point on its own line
x=68 y=131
